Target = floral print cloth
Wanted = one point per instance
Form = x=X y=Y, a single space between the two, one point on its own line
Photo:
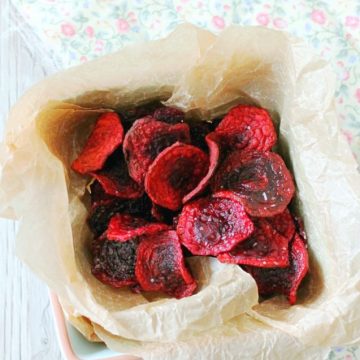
x=73 y=31
x=76 y=31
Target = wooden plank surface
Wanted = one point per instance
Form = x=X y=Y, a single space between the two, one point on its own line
x=26 y=323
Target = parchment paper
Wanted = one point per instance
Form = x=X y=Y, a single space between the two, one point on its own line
x=204 y=75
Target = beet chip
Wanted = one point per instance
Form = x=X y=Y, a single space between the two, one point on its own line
x=123 y=227
x=283 y=280
x=247 y=128
x=300 y=229
x=163 y=215
x=101 y=214
x=264 y=248
x=98 y=195
x=146 y=139
x=198 y=132
x=169 y=115
x=283 y=223
x=114 y=262
x=174 y=173
x=115 y=178
x=214 y=152
x=129 y=116
x=261 y=180
x=160 y=265
x=106 y=136
x=210 y=226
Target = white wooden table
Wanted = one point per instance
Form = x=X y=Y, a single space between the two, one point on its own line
x=26 y=323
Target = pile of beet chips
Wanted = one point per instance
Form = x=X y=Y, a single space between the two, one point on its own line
x=164 y=189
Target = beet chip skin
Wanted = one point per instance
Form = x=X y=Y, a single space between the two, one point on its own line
x=114 y=262
x=174 y=173
x=247 y=128
x=106 y=136
x=210 y=226
x=264 y=248
x=262 y=180
x=146 y=139
x=160 y=265
x=123 y=227
x=284 y=281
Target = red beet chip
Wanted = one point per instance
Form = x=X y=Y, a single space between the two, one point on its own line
x=160 y=265
x=115 y=178
x=123 y=227
x=212 y=225
x=174 y=173
x=169 y=115
x=146 y=139
x=114 y=262
x=283 y=223
x=262 y=180
x=106 y=136
x=214 y=152
x=283 y=280
x=101 y=213
x=264 y=248
x=247 y=128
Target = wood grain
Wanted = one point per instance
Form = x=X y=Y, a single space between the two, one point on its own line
x=26 y=323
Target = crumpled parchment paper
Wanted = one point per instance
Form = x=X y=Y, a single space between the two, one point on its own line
x=204 y=75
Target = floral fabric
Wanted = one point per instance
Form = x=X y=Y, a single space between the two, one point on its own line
x=73 y=31
x=77 y=31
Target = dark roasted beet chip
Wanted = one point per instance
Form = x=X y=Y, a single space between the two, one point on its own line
x=156 y=212
x=160 y=265
x=146 y=139
x=214 y=154
x=139 y=207
x=129 y=116
x=283 y=223
x=123 y=227
x=247 y=128
x=115 y=178
x=260 y=179
x=100 y=215
x=114 y=262
x=198 y=132
x=169 y=115
x=106 y=136
x=283 y=280
x=210 y=226
x=142 y=110
x=174 y=173
x=264 y=248
x=98 y=196
x=163 y=215
x=300 y=229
